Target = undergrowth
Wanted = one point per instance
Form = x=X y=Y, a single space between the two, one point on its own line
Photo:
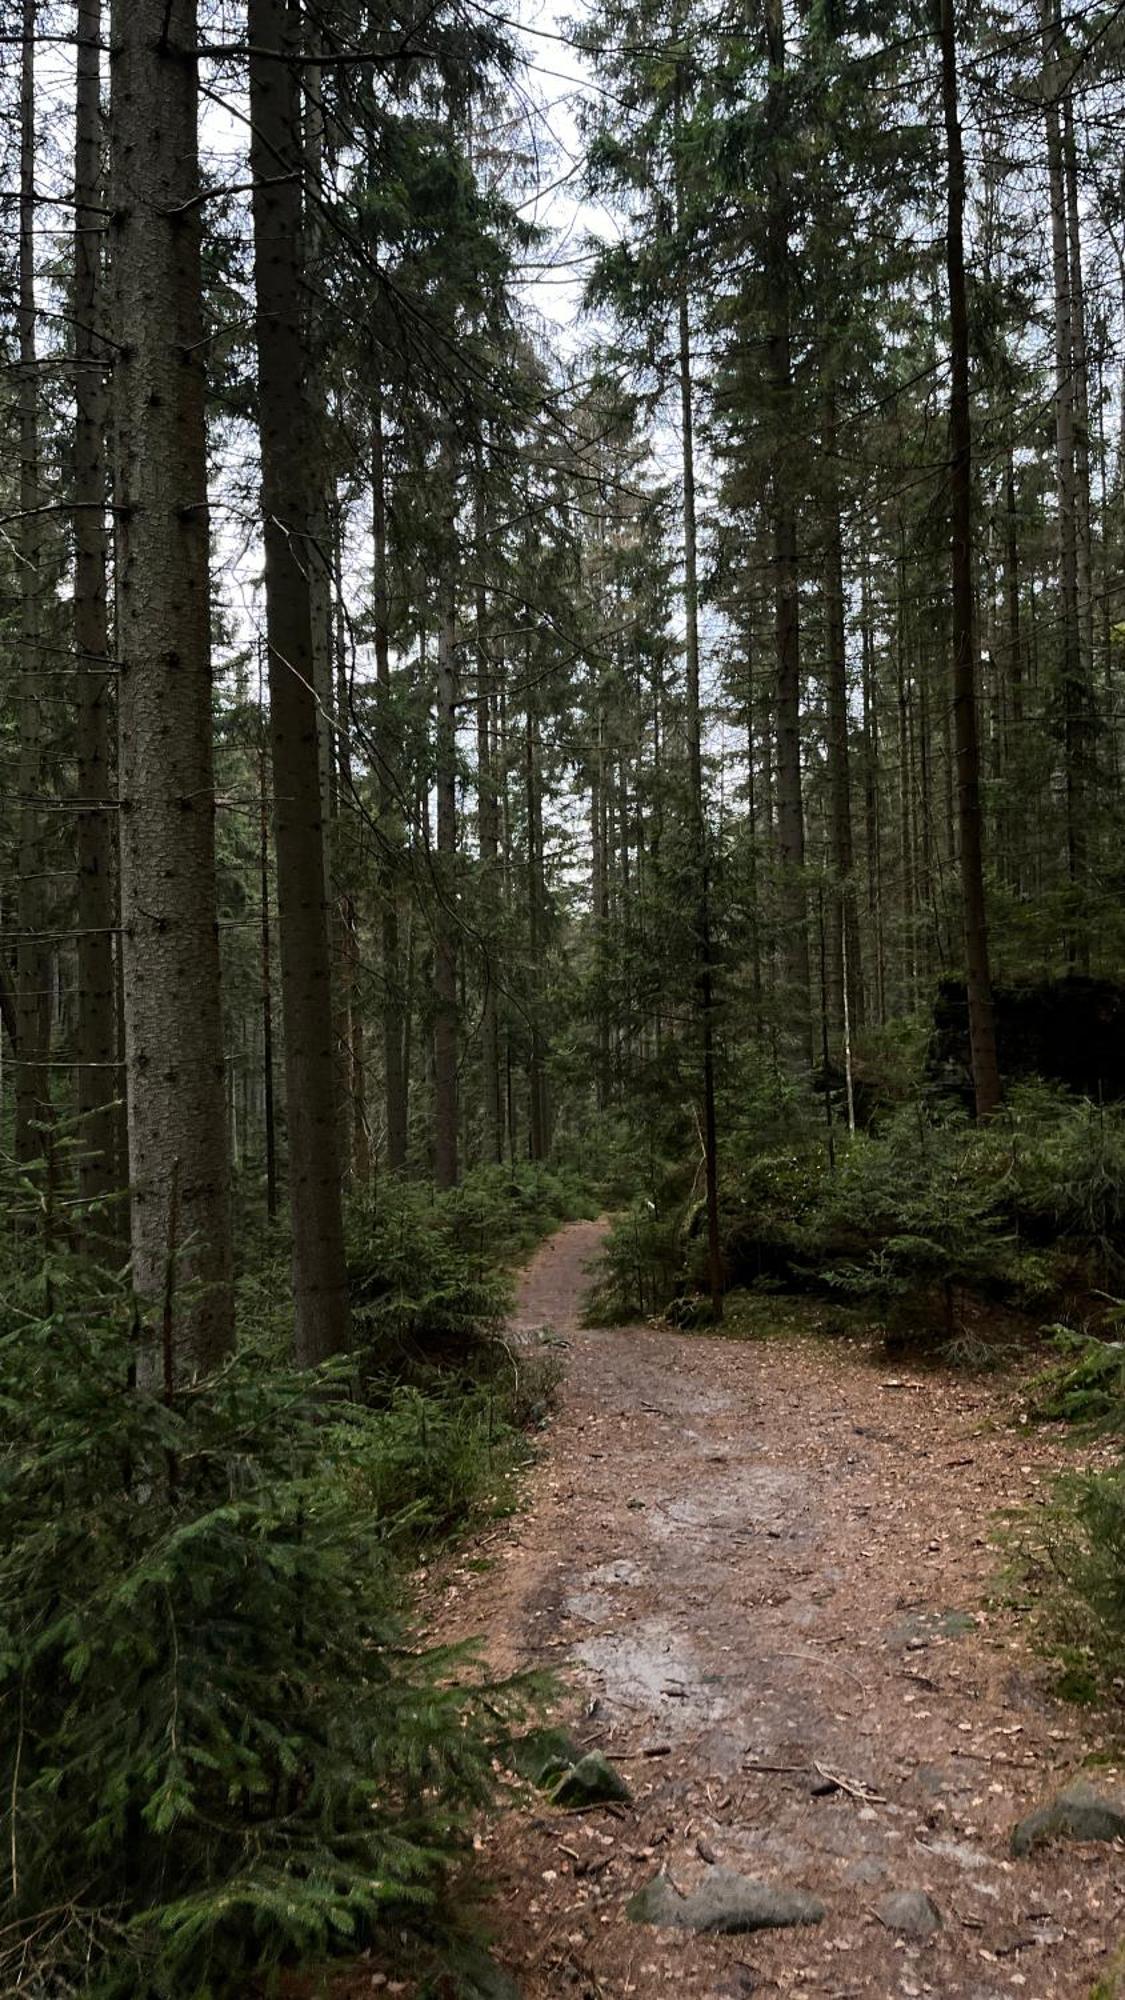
x=222 y=1749
x=924 y=1220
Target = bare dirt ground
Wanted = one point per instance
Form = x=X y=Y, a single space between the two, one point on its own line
x=744 y=1559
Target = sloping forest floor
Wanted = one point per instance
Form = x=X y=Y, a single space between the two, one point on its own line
x=767 y=1573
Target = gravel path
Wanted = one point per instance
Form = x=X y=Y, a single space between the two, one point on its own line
x=765 y=1571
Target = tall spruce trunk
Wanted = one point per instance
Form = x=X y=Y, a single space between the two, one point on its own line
x=389 y=776
x=276 y=160
x=178 y=1143
x=98 y=1083
x=701 y=915
x=355 y=1050
x=1081 y=385
x=790 y=805
x=488 y=835
x=845 y=985
x=33 y=956
x=982 y=1032
x=446 y=1168
x=1070 y=666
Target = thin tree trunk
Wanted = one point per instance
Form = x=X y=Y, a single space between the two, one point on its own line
x=790 y=808
x=537 y=1142
x=982 y=1034
x=358 y=1123
x=1014 y=755
x=33 y=960
x=705 y=976
x=97 y=1086
x=487 y=840
x=446 y=1169
x=178 y=1147
x=265 y=962
x=276 y=156
x=1081 y=389
x=389 y=775
x=1074 y=744
x=871 y=818
x=843 y=915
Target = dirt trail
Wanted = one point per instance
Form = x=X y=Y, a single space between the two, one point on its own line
x=756 y=1563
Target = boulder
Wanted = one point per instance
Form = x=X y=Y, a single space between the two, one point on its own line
x=544 y=1755
x=593 y=1781
x=1079 y=1812
x=475 y=1977
x=910 y=1912
x=724 y=1901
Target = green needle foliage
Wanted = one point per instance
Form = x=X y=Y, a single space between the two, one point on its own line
x=220 y=1747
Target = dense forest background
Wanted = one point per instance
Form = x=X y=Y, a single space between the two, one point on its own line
x=562 y=620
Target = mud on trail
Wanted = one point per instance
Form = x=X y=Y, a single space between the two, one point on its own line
x=763 y=1572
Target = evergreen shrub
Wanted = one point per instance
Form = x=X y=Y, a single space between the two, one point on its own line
x=220 y=1747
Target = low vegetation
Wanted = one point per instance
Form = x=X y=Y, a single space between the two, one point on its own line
x=926 y=1219
x=222 y=1745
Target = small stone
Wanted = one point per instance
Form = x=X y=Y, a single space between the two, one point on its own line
x=476 y=1977
x=867 y=1870
x=593 y=1781
x=545 y=1755
x=1080 y=1812
x=724 y=1901
x=910 y=1912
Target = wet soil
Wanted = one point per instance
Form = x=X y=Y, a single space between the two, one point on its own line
x=766 y=1573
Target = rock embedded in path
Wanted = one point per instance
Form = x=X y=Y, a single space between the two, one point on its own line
x=476 y=1977
x=593 y=1781
x=724 y=1901
x=1079 y=1812
x=910 y=1912
x=545 y=1755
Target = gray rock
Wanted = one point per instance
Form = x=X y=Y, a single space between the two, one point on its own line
x=910 y=1912
x=867 y=1870
x=593 y=1781
x=1080 y=1812
x=724 y=1901
x=544 y=1755
x=476 y=1977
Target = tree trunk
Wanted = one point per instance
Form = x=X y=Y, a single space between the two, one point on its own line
x=276 y=155
x=389 y=775
x=705 y=975
x=98 y=1084
x=488 y=841
x=1081 y=388
x=843 y=914
x=178 y=1145
x=1015 y=759
x=33 y=958
x=446 y=1170
x=790 y=807
x=982 y=1033
x=1074 y=744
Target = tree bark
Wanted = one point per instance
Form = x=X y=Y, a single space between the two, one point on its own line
x=446 y=1167
x=33 y=957
x=790 y=807
x=98 y=1082
x=488 y=832
x=276 y=159
x=704 y=973
x=1070 y=673
x=178 y=1143
x=982 y=1033
x=843 y=914
x=389 y=775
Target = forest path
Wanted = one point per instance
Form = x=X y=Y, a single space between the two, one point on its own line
x=754 y=1563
